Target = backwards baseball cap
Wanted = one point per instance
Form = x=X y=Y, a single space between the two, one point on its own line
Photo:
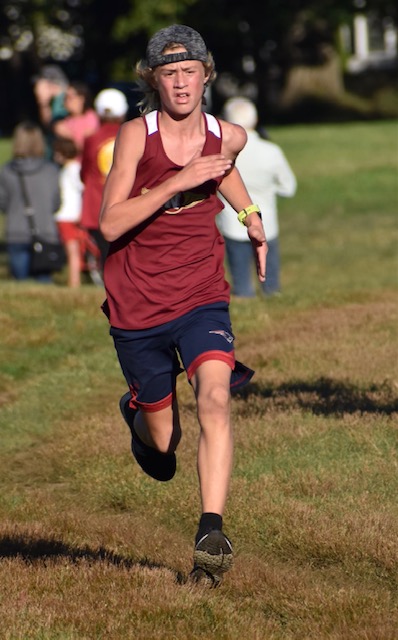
x=192 y=41
x=52 y=73
x=111 y=103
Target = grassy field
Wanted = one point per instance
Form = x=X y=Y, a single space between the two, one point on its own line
x=90 y=548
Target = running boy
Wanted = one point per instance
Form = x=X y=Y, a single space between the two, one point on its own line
x=166 y=291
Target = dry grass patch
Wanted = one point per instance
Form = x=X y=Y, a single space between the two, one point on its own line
x=91 y=548
x=354 y=342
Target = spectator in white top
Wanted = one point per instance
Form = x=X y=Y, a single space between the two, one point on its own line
x=69 y=214
x=266 y=174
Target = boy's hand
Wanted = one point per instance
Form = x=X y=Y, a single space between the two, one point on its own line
x=200 y=169
x=260 y=248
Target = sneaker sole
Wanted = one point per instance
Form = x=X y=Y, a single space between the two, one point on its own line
x=214 y=558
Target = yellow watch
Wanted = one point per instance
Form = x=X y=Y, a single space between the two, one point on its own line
x=252 y=208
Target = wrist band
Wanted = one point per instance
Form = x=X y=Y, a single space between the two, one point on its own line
x=252 y=208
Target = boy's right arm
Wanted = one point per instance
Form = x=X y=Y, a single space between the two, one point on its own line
x=119 y=213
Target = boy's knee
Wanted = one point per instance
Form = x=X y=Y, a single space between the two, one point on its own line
x=214 y=400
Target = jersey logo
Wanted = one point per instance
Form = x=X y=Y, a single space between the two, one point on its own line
x=181 y=201
x=224 y=334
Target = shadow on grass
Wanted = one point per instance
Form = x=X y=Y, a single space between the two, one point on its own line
x=42 y=550
x=326 y=397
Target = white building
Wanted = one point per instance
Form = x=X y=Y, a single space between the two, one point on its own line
x=371 y=42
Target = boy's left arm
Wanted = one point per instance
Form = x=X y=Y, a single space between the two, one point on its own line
x=234 y=191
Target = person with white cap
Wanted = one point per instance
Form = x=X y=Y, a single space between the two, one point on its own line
x=111 y=106
x=167 y=297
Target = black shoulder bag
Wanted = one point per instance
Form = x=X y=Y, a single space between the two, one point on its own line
x=47 y=257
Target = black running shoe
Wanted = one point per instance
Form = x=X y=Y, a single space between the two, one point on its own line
x=160 y=466
x=213 y=556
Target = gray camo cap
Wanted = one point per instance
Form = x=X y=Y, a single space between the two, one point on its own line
x=188 y=37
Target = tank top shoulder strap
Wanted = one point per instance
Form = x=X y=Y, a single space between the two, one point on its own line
x=213 y=124
x=151 y=120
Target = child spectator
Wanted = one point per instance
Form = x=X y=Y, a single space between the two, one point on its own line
x=69 y=213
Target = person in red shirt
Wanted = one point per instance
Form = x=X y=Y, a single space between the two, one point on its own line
x=167 y=297
x=111 y=106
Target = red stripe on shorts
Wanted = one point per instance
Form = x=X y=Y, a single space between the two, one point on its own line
x=228 y=358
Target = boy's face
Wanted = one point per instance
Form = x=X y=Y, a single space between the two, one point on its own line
x=180 y=84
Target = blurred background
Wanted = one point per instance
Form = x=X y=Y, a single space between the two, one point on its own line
x=302 y=61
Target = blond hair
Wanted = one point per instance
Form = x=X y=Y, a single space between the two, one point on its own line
x=28 y=141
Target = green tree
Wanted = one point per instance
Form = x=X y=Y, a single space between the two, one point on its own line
x=253 y=43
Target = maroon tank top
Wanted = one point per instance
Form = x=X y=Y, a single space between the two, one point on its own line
x=174 y=261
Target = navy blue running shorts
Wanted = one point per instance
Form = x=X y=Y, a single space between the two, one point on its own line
x=151 y=359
